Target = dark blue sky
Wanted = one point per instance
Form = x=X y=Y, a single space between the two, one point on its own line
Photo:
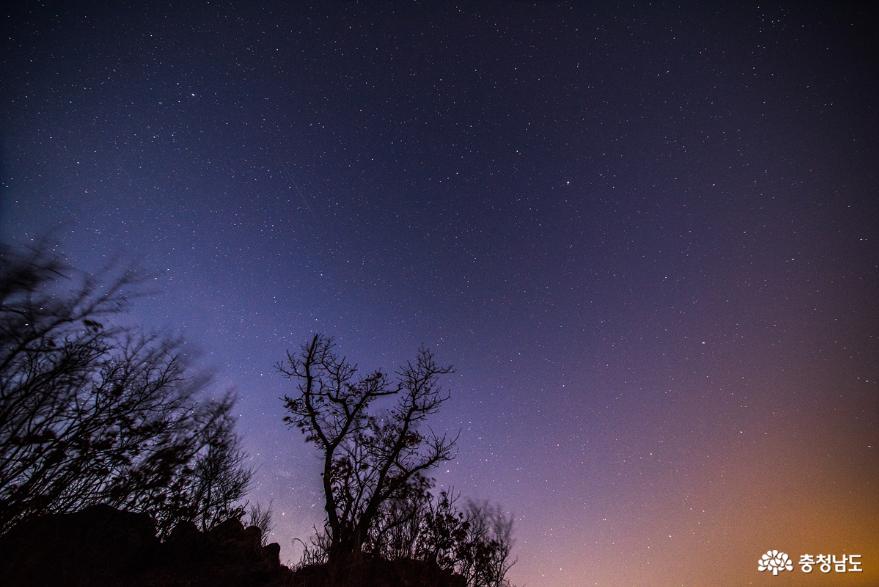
x=645 y=234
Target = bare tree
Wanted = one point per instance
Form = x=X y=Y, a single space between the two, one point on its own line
x=261 y=517
x=95 y=412
x=486 y=553
x=475 y=542
x=369 y=459
x=219 y=479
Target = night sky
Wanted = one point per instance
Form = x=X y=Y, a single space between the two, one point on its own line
x=644 y=234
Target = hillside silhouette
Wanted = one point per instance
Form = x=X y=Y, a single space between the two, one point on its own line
x=119 y=466
x=102 y=546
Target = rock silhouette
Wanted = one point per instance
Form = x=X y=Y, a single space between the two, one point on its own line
x=102 y=546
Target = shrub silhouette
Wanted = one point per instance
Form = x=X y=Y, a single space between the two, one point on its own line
x=95 y=412
x=474 y=542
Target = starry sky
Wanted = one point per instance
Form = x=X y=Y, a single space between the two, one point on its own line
x=644 y=233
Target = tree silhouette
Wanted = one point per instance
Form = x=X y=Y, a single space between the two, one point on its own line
x=475 y=542
x=485 y=556
x=92 y=411
x=261 y=517
x=369 y=459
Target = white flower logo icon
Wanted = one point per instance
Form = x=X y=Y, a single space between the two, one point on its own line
x=775 y=561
